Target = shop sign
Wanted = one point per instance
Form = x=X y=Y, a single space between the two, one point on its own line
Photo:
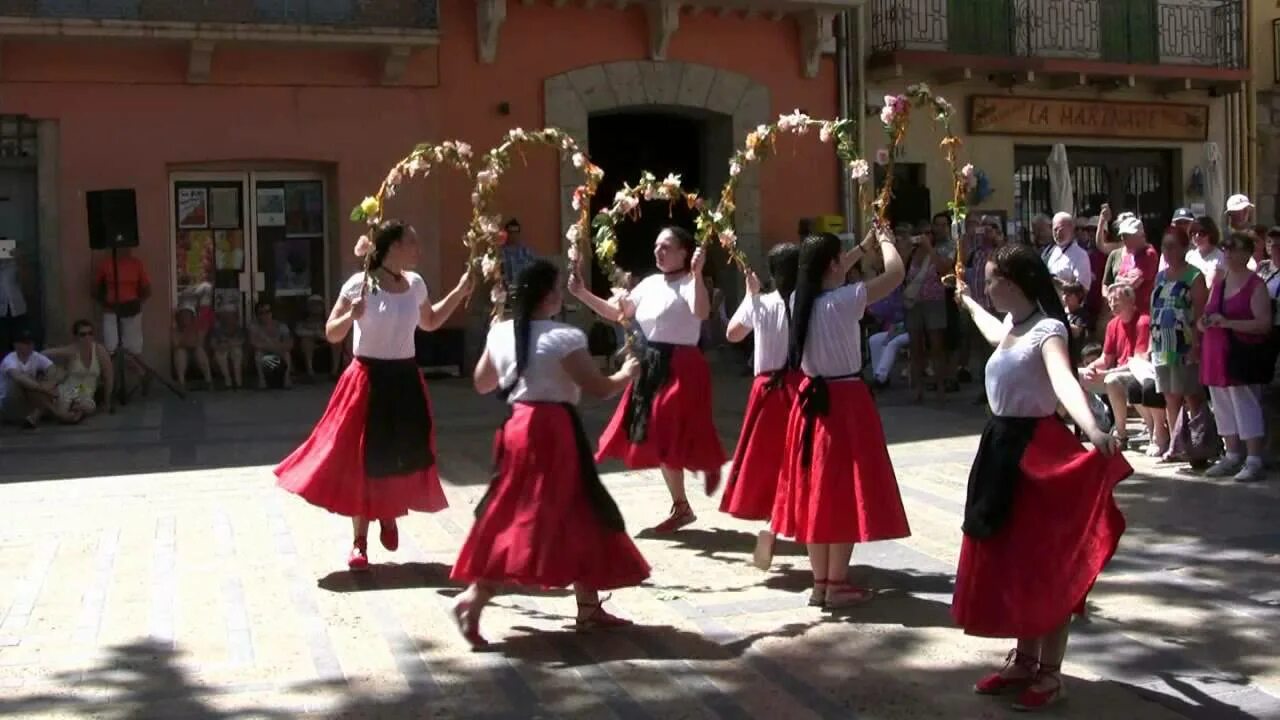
x=1008 y=115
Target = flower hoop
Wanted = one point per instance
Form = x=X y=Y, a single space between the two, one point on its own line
x=626 y=205
x=419 y=163
x=761 y=143
x=486 y=225
x=896 y=117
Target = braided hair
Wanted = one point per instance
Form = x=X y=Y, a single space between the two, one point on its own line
x=816 y=255
x=533 y=283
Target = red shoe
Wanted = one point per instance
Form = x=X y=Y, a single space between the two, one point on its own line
x=997 y=684
x=358 y=560
x=842 y=595
x=1031 y=699
x=468 y=624
x=681 y=515
x=598 y=618
x=389 y=534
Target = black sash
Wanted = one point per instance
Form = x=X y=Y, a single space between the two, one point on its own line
x=815 y=402
x=597 y=495
x=655 y=371
x=994 y=476
x=397 y=429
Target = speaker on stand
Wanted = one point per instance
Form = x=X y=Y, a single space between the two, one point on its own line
x=113 y=224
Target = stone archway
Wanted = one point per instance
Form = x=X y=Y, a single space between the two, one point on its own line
x=570 y=98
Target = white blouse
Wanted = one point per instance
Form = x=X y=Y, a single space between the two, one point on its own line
x=766 y=316
x=664 y=309
x=834 y=344
x=544 y=379
x=1017 y=379
x=386 y=331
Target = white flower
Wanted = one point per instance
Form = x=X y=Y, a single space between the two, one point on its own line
x=825 y=132
x=749 y=155
x=887 y=114
x=517 y=134
x=648 y=192
x=488 y=266
x=966 y=172
x=860 y=170
x=579 y=160
x=919 y=89
x=795 y=122
x=735 y=169
x=490 y=224
x=629 y=203
x=728 y=238
x=762 y=131
x=573 y=253
x=395 y=176
x=486 y=178
x=497 y=295
x=576 y=202
x=464 y=150
x=573 y=235
x=475 y=198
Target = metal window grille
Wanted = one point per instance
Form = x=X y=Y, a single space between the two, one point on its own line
x=17 y=137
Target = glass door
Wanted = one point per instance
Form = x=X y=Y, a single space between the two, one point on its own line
x=289 y=242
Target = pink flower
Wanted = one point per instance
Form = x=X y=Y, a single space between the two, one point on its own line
x=882 y=157
x=364 y=246
x=824 y=134
x=859 y=170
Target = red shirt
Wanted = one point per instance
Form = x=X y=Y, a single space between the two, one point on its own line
x=1126 y=338
x=1147 y=261
x=133 y=280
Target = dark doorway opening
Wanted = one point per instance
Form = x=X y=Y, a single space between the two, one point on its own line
x=628 y=143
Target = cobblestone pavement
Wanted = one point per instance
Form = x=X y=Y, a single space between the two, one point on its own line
x=151 y=570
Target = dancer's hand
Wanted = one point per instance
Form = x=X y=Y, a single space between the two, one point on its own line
x=466 y=283
x=575 y=281
x=1104 y=442
x=698 y=262
x=753 y=283
x=357 y=308
x=631 y=367
x=962 y=292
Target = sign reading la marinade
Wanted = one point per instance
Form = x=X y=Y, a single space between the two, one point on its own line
x=1009 y=115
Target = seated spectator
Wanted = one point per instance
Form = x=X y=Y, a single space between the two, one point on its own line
x=86 y=362
x=889 y=336
x=310 y=332
x=1079 y=324
x=27 y=391
x=188 y=340
x=272 y=345
x=1123 y=373
x=227 y=343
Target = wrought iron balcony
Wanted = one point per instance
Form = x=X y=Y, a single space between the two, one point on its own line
x=340 y=14
x=1201 y=33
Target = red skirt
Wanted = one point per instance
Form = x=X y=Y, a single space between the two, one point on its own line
x=848 y=493
x=757 y=459
x=328 y=469
x=538 y=527
x=682 y=433
x=1027 y=579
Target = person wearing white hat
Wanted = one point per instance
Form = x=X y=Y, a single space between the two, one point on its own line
x=1239 y=212
x=1135 y=264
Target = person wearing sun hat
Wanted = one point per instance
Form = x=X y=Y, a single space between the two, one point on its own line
x=1240 y=212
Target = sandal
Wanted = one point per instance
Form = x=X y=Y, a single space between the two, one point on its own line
x=1031 y=699
x=762 y=558
x=358 y=560
x=598 y=618
x=841 y=595
x=818 y=595
x=681 y=515
x=468 y=624
x=998 y=683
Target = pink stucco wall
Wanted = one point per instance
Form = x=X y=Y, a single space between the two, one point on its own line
x=127 y=118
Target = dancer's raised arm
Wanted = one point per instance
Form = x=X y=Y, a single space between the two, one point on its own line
x=991 y=327
x=880 y=286
x=611 y=310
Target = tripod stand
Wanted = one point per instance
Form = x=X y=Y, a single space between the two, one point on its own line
x=120 y=356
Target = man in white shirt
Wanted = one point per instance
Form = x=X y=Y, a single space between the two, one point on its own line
x=1067 y=261
x=26 y=391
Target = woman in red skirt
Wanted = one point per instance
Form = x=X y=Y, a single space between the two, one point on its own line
x=757 y=459
x=837 y=486
x=665 y=419
x=547 y=520
x=372 y=455
x=1040 y=521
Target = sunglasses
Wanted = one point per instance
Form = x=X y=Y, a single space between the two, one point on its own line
x=85 y=333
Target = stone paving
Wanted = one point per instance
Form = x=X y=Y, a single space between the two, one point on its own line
x=153 y=571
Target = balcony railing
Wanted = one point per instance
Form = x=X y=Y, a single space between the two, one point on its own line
x=1207 y=33
x=351 y=14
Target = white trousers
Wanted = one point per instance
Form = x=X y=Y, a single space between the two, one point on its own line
x=884 y=352
x=1238 y=411
x=131 y=327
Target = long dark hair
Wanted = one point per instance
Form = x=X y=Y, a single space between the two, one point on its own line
x=685 y=238
x=1210 y=227
x=784 y=264
x=1022 y=266
x=816 y=255
x=387 y=234
x=533 y=284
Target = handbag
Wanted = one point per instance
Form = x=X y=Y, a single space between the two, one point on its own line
x=1249 y=363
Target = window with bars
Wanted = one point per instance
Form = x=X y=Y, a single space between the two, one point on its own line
x=17 y=137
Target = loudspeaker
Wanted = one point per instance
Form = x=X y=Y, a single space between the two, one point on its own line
x=113 y=218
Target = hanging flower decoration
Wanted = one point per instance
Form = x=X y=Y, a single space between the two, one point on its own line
x=626 y=206
x=417 y=164
x=760 y=144
x=486 y=224
x=896 y=117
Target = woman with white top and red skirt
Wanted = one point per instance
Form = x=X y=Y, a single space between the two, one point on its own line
x=372 y=455
x=665 y=417
x=837 y=486
x=757 y=459
x=546 y=521
x=1040 y=521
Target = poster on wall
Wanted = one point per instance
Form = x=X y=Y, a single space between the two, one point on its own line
x=270 y=207
x=224 y=208
x=304 y=206
x=194 y=258
x=229 y=249
x=193 y=208
x=293 y=267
